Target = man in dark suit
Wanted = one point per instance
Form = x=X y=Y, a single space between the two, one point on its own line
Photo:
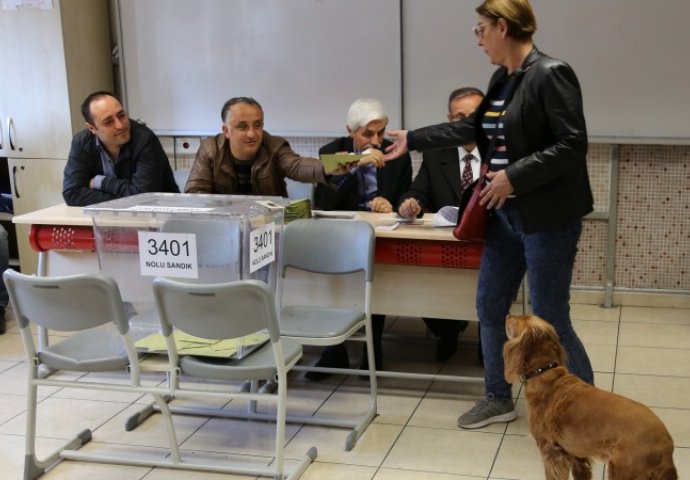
x=113 y=157
x=370 y=185
x=441 y=179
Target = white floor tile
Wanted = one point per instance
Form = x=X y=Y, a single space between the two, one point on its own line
x=655 y=315
x=338 y=471
x=370 y=449
x=677 y=422
x=444 y=451
x=12 y=405
x=655 y=335
x=61 y=418
x=396 y=474
x=393 y=406
x=653 y=361
x=654 y=391
x=596 y=332
x=583 y=311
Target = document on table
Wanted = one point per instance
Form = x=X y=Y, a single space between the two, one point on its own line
x=232 y=348
x=446 y=217
x=341 y=214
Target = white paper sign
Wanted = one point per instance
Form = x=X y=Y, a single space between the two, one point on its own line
x=12 y=4
x=262 y=246
x=168 y=254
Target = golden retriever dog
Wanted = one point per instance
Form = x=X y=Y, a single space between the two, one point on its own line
x=573 y=422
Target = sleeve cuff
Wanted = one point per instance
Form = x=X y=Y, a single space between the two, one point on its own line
x=411 y=140
x=98 y=182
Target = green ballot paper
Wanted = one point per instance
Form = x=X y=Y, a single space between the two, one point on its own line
x=332 y=160
x=232 y=348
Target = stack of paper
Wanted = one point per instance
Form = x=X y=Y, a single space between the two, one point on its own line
x=300 y=208
x=231 y=348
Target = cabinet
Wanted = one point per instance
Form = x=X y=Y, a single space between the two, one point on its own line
x=26 y=175
x=50 y=60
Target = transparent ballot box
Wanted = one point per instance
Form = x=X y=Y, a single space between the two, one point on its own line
x=188 y=237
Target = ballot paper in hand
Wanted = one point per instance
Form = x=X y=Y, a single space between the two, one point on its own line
x=446 y=217
x=332 y=161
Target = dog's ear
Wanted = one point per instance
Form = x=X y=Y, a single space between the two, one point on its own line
x=514 y=358
x=559 y=351
x=553 y=348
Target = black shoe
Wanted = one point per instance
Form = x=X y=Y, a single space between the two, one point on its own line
x=332 y=357
x=446 y=347
x=3 y=321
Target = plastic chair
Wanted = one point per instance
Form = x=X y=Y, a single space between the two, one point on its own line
x=332 y=247
x=223 y=311
x=71 y=304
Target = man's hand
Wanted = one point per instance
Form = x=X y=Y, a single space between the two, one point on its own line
x=380 y=205
x=373 y=156
x=495 y=193
x=409 y=209
x=399 y=146
x=343 y=168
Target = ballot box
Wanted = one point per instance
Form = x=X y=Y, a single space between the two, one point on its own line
x=187 y=237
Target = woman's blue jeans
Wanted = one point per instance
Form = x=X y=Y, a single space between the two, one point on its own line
x=548 y=259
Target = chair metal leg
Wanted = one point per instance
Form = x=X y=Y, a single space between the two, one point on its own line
x=33 y=467
x=138 y=418
x=307 y=460
x=170 y=428
x=281 y=400
x=359 y=429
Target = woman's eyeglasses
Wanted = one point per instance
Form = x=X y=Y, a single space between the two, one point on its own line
x=479 y=29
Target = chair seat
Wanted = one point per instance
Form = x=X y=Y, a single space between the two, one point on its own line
x=258 y=365
x=318 y=322
x=95 y=350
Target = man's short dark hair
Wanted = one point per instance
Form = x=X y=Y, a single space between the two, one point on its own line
x=86 y=104
x=463 y=92
x=234 y=100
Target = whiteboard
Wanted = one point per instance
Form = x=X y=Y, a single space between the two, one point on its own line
x=305 y=61
x=632 y=58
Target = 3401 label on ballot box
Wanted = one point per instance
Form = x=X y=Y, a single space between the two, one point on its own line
x=262 y=246
x=168 y=254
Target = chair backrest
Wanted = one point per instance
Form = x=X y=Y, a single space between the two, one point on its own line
x=217 y=245
x=218 y=310
x=70 y=303
x=329 y=246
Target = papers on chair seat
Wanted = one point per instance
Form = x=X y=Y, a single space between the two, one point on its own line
x=446 y=217
x=335 y=214
x=232 y=348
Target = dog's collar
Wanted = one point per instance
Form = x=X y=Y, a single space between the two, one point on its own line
x=526 y=376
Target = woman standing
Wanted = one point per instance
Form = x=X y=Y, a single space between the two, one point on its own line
x=531 y=130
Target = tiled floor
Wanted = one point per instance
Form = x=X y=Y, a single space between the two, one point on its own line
x=643 y=353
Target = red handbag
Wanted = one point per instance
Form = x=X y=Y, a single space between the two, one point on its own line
x=472 y=217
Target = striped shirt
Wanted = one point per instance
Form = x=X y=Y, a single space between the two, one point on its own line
x=492 y=123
